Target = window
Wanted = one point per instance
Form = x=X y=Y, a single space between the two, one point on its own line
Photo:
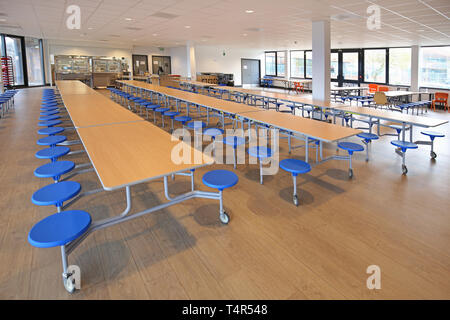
x=400 y=66
x=297 y=64
x=35 y=67
x=334 y=67
x=308 y=64
x=375 y=65
x=350 y=65
x=14 y=50
x=271 y=63
x=435 y=67
x=281 y=63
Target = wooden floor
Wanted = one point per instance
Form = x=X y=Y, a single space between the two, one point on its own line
x=270 y=250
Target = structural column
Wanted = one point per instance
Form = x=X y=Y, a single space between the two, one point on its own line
x=321 y=52
x=415 y=68
x=191 y=65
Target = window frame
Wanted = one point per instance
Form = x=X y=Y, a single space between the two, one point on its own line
x=386 y=66
x=419 y=75
x=265 y=64
x=290 y=64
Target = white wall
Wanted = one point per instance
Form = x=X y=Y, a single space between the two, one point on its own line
x=211 y=59
x=179 y=61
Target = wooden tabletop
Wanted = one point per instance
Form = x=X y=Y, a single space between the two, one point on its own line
x=96 y=110
x=394 y=116
x=312 y=128
x=131 y=153
x=73 y=87
x=202 y=100
x=197 y=83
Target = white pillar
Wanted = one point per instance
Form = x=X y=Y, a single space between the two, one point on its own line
x=190 y=56
x=321 y=60
x=415 y=68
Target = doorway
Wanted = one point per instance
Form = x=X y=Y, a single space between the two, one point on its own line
x=346 y=66
x=250 y=71
x=140 y=64
x=161 y=65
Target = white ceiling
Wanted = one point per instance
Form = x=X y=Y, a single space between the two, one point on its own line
x=275 y=24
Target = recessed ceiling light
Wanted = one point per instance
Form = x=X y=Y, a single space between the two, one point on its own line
x=129 y=19
x=249 y=11
x=244 y=34
x=2 y=20
x=187 y=27
x=155 y=34
x=90 y=28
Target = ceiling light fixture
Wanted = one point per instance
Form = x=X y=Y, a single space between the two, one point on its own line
x=129 y=19
x=155 y=34
x=2 y=20
x=244 y=34
x=90 y=28
x=187 y=27
x=249 y=11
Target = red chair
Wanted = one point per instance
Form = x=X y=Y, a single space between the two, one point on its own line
x=373 y=87
x=440 y=97
x=383 y=88
x=299 y=87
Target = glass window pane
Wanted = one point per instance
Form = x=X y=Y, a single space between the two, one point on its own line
x=308 y=64
x=34 y=62
x=281 y=63
x=375 y=65
x=334 y=65
x=350 y=65
x=14 y=50
x=435 y=67
x=270 y=63
x=297 y=64
x=400 y=66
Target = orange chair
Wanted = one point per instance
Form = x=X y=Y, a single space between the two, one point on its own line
x=383 y=88
x=299 y=87
x=373 y=87
x=440 y=97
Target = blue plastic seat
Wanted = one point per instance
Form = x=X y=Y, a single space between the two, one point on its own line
x=261 y=153
x=404 y=145
x=49 y=113
x=171 y=115
x=182 y=119
x=433 y=134
x=196 y=125
x=367 y=138
x=50 y=131
x=59 y=229
x=54 y=169
x=220 y=179
x=50 y=123
x=295 y=167
x=350 y=147
x=49 y=108
x=213 y=132
x=234 y=141
x=51 y=140
x=56 y=193
x=52 y=153
x=48 y=118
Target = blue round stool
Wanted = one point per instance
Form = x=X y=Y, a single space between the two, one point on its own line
x=213 y=133
x=49 y=113
x=183 y=119
x=260 y=153
x=432 y=135
x=196 y=125
x=54 y=169
x=220 y=180
x=234 y=141
x=52 y=153
x=171 y=115
x=295 y=167
x=153 y=107
x=50 y=131
x=350 y=147
x=56 y=194
x=404 y=145
x=50 y=117
x=51 y=140
x=149 y=106
x=162 y=111
x=366 y=139
x=50 y=123
x=59 y=229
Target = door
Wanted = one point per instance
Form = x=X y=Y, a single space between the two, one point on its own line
x=140 y=64
x=14 y=47
x=250 y=71
x=345 y=66
x=161 y=65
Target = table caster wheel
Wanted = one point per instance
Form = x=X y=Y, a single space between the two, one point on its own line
x=350 y=173
x=224 y=218
x=433 y=155
x=69 y=285
x=295 y=199
x=404 y=169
